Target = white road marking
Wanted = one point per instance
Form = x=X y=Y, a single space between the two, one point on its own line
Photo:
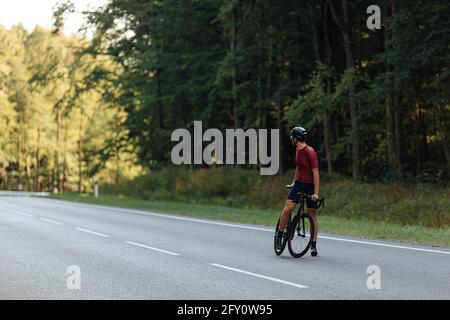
x=92 y=232
x=52 y=221
x=168 y=216
x=151 y=248
x=384 y=245
x=29 y=215
x=260 y=276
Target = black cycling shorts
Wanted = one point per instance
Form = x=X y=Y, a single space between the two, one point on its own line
x=307 y=188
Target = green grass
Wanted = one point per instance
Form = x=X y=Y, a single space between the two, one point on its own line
x=330 y=224
x=392 y=203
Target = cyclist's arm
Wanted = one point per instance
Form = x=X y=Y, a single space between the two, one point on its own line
x=316 y=180
x=293 y=181
x=315 y=172
x=295 y=175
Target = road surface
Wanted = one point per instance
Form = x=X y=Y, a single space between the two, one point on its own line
x=51 y=249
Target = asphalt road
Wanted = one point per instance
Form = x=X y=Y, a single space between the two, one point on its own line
x=131 y=254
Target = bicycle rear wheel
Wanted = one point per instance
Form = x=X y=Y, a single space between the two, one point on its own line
x=301 y=235
x=280 y=251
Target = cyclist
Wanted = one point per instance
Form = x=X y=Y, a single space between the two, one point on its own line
x=306 y=179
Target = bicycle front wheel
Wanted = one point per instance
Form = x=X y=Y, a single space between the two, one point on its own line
x=301 y=235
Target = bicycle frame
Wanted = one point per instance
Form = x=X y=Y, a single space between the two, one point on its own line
x=299 y=229
x=301 y=208
x=300 y=212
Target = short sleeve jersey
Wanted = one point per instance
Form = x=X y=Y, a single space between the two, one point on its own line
x=306 y=161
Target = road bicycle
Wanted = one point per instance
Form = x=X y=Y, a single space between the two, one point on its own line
x=299 y=231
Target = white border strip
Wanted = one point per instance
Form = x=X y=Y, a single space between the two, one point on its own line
x=384 y=245
x=23 y=194
x=175 y=217
x=260 y=276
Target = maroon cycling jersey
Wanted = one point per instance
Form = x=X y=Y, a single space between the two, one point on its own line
x=306 y=161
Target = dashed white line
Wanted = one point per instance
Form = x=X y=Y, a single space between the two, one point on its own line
x=92 y=232
x=151 y=248
x=29 y=215
x=166 y=216
x=174 y=217
x=51 y=221
x=260 y=276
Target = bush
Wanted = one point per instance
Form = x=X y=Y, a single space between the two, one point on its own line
x=420 y=204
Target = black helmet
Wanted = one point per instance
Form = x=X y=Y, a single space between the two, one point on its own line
x=299 y=132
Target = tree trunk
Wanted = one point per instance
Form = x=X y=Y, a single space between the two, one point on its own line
x=260 y=106
x=19 y=172
x=57 y=178
x=315 y=25
x=327 y=132
x=268 y=81
x=345 y=28
x=446 y=153
x=398 y=135
x=158 y=47
x=417 y=140
x=443 y=130
x=80 y=153
x=160 y=109
x=234 y=69
x=423 y=136
x=36 y=160
x=316 y=38
x=329 y=88
x=64 y=178
x=389 y=100
x=397 y=119
x=280 y=127
x=4 y=177
x=390 y=133
x=28 y=169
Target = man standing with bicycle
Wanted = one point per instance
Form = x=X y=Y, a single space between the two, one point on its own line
x=306 y=179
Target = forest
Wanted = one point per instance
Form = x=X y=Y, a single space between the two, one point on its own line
x=103 y=106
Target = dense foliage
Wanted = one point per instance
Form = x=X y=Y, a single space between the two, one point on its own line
x=417 y=204
x=54 y=127
x=376 y=103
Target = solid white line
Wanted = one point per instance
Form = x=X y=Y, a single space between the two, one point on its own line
x=52 y=221
x=384 y=245
x=92 y=232
x=151 y=248
x=260 y=276
x=20 y=213
x=167 y=216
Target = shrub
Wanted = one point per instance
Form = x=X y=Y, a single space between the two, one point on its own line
x=419 y=204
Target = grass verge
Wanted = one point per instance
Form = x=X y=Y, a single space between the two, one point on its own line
x=327 y=223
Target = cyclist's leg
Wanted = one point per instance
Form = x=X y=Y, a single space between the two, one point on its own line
x=313 y=213
x=287 y=210
x=289 y=205
x=309 y=190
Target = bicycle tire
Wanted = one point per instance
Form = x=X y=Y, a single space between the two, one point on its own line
x=295 y=234
x=280 y=251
